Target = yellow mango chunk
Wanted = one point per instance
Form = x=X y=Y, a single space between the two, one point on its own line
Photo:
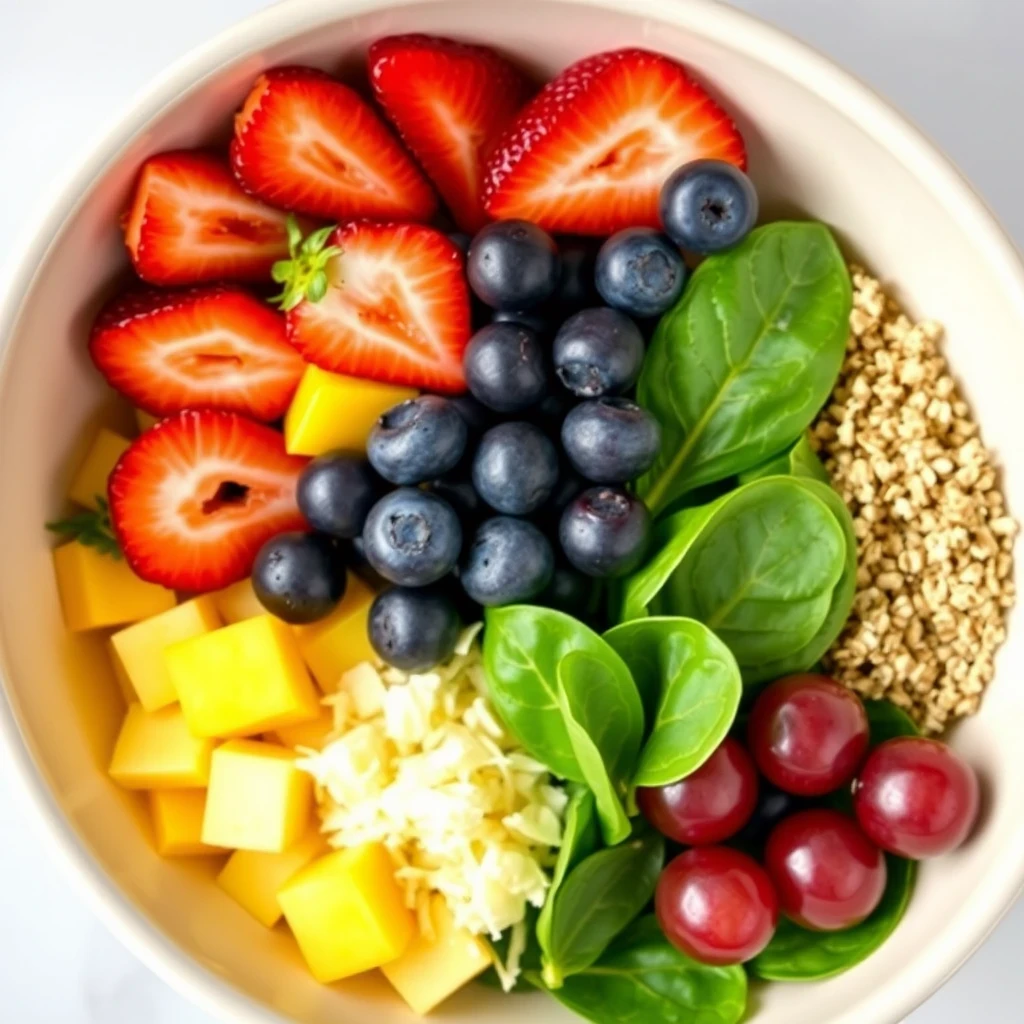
x=258 y=799
x=178 y=822
x=333 y=645
x=238 y=602
x=433 y=968
x=347 y=912
x=140 y=648
x=253 y=879
x=155 y=750
x=90 y=481
x=97 y=590
x=331 y=411
x=145 y=420
x=242 y=679
x=124 y=684
x=307 y=734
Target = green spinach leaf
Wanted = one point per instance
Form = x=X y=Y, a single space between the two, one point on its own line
x=580 y=838
x=605 y=721
x=888 y=722
x=597 y=900
x=799 y=459
x=643 y=979
x=522 y=648
x=796 y=954
x=759 y=566
x=529 y=963
x=691 y=686
x=746 y=359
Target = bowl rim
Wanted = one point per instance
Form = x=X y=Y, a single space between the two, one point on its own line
x=726 y=26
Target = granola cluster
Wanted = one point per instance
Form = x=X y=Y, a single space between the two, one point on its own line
x=935 y=539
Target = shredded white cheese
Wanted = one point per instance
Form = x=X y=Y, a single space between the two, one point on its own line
x=422 y=764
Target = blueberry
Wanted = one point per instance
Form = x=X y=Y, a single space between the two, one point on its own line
x=513 y=264
x=536 y=321
x=611 y=440
x=412 y=537
x=460 y=240
x=414 y=630
x=570 y=483
x=505 y=367
x=708 y=205
x=551 y=412
x=772 y=806
x=459 y=492
x=576 y=289
x=605 y=532
x=416 y=440
x=571 y=592
x=509 y=561
x=598 y=352
x=336 y=492
x=640 y=272
x=477 y=416
x=515 y=468
x=299 y=577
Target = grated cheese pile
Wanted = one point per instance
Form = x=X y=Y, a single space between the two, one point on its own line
x=421 y=764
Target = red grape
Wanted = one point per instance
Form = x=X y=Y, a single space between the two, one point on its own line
x=828 y=874
x=711 y=804
x=717 y=905
x=808 y=734
x=915 y=797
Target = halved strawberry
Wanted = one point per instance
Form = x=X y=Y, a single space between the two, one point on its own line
x=392 y=306
x=208 y=347
x=589 y=154
x=195 y=497
x=306 y=142
x=189 y=222
x=449 y=101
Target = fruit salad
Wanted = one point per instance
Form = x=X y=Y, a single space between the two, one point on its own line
x=470 y=576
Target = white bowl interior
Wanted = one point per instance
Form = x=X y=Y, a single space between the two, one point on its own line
x=819 y=145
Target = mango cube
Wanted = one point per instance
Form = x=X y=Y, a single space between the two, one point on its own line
x=90 y=481
x=145 y=420
x=124 y=684
x=347 y=912
x=332 y=411
x=253 y=879
x=178 y=822
x=242 y=679
x=339 y=642
x=238 y=602
x=140 y=648
x=307 y=734
x=433 y=968
x=258 y=799
x=97 y=590
x=155 y=750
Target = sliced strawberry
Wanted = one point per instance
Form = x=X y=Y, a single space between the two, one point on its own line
x=194 y=498
x=189 y=222
x=208 y=347
x=589 y=154
x=305 y=142
x=396 y=308
x=450 y=102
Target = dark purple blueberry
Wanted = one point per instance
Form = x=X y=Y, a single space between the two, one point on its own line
x=513 y=265
x=336 y=492
x=477 y=416
x=708 y=206
x=460 y=240
x=576 y=289
x=412 y=537
x=414 y=629
x=772 y=806
x=422 y=438
x=605 y=532
x=535 y=320
x=611 y=440
x=640 y=272
x=505 y=367
x=509 y=561
x=598 y=352
x=571 y=592
x=299 y=577
x=515 y=468
x=552 y=410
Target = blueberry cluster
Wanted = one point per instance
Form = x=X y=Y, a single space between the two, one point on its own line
x=517 y=491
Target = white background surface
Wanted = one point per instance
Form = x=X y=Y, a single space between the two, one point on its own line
x=68 y=66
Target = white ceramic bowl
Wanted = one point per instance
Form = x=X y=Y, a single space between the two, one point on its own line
x=820 y=144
